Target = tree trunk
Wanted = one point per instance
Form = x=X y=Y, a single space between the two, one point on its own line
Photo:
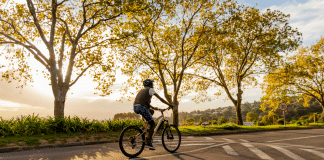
x=175 y=113
x=239 y=120
x=59 y=103
x=322 y=104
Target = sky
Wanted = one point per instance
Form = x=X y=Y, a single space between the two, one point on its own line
x=306 y=15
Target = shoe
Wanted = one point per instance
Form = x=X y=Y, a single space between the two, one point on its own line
x=150 y=146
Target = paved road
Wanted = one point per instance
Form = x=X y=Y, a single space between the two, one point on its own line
x=285 y=145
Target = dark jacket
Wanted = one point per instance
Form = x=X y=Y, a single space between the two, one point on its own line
x=143 y=98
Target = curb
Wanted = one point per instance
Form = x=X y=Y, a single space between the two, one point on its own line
x=15 y=149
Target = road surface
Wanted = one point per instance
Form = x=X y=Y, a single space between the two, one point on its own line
x=276 y=145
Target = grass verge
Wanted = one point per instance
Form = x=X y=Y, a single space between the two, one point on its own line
x=51 y=138
x=213 y=128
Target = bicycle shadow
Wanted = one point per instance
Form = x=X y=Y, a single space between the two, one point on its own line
x=175 y=155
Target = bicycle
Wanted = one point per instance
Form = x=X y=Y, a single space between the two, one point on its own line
x=134 y=137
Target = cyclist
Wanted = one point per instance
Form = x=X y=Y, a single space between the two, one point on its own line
x=142 y=106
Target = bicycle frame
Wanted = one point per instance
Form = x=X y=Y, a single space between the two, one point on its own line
x=156 y=128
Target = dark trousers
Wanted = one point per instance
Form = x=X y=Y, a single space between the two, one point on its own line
x=147 y=115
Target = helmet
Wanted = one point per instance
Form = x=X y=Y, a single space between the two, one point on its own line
x=148 y=83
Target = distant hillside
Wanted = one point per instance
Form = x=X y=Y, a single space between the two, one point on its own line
x=295 y=111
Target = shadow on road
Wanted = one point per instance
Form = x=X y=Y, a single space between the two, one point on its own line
x=175 y=155
x=178 y=156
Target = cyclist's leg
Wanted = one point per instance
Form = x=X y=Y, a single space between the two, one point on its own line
x=142 y=110
x=151 y=130
x=151 y=111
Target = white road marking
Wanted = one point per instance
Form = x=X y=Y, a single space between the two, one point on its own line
x=299 y=146
x=244 y=140
x=320 y=154
x=295 y=138
x=258 y=152
x=229 y=150
x=286 y=152
x=159 y=141
x=184 y=152
x=200 y=141
x=197 y=144
x=229 y=140
x=209 y=138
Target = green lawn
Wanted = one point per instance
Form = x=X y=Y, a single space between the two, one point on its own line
x=212 y=128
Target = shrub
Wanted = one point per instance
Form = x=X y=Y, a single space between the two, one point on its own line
x=299 y=123
x=321 y=119
x=229 y=127
x=223 y=120
x=261 y=123
x=231 y=120
x=306 y=122
x=281 y=121
x=209 y=122
x=200 y=122
x=316 y=116
x=268 y=119
x=303 y=117
x=190 y=121
x=293 y=121
x=250 y=117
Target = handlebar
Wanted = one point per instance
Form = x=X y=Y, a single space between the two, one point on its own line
x=162 y=110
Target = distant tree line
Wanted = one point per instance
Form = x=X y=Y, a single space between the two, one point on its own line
x=252 y=112
x=129 y=115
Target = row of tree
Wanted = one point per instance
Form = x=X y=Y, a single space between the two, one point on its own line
x=129 y=115
x=253 y=112
x=184 y=45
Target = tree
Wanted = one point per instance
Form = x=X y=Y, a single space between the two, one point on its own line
x=250 y=117
x=270 y=118
x=201 y=120
x=301 y=75
x=229 y=112
x=314 y=116
x=222 y=120
x=129 y=115
x=249 y=45
x=190 y=121
x=174 y=37
x=76 y=36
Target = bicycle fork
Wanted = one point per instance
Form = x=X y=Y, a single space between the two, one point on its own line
x=169 y=134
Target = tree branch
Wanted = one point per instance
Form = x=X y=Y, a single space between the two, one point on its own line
x=82 y=73
x=60 y=62
x=40 y=31
x=29 y=49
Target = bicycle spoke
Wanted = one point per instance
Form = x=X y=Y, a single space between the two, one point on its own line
x=131 y=141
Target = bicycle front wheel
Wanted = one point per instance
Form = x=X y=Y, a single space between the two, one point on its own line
x=171 y=138
x=131 y=142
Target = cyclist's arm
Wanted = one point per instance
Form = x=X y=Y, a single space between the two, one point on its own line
x=155 y=108
x=162 y=100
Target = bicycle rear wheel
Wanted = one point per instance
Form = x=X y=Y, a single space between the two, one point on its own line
x=171 y=138
x=129 y=144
